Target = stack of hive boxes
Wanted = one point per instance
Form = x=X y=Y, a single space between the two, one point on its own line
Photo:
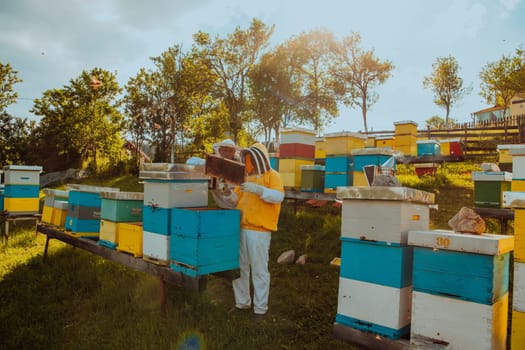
x=121 y=212
x=312 y=178
x=204 y=240
x=450 y=147
x=297 y=148
x=427 y=148
x=339 y=165
x=504 y=156
x=375 y=284
x=516 y=200
x=489 y=187
x=406 y=137
x=460 y=289
x=1 y=190
x=168 y=186
x=320 y=150
x=368 y=156
x=21 y=189
x=83 y=215
x=55 y=207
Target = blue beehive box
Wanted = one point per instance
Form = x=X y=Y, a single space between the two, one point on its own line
x=21 y=191
x=461 y=266
x=82 y=225
x=376 y=262
x=204 y=240
x=428 y=148
x=122 y=206
x=156 y=220
x=332 y=180
x=371 y=156
x=339 y=164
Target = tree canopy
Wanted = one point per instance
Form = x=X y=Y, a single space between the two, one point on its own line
x=446 y=84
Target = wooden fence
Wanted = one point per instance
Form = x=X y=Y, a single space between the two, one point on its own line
x=479 y=139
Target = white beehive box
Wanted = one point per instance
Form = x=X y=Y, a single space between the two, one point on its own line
x=372 y=307
x=518 y=295
x=156 y=246
x=518 y=162
x=298 y=135
x=458 y=324
x=187 y=186
x=383 y=213
x=22 y=174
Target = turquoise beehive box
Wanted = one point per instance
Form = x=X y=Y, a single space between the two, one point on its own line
x=122 y=206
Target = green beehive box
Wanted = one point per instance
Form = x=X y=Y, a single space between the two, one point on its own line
x=312 y=178
x=489 y=188
x=122 y=206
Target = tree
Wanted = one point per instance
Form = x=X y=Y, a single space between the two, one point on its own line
x=8 y=78
x=437 y=122
x=318 y=102
x=446 y=84
x=160 y=103
x=231 y=59
x=357 y=72
x=517 y=77
x=15 y=145
x=497 y=83
x=81 y=122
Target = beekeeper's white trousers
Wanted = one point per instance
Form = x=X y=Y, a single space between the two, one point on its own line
x=253 y=252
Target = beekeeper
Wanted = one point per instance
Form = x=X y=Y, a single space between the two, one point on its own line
x=223 y=193
x=259 y=200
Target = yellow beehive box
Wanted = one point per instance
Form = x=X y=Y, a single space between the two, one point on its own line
x=405 y=127
x=504 y=155
x=59 y=217
x=291 y=180
x=130 y=238
x=444 y=149
x=343 y=142
x=517 y=186
x=320 y=148
x=519 y=235
x=21 y=205
x=517 y=337
x=108 y=231
x=359 y=179
x=47 y=214
x=293 y=165
x=384 y=142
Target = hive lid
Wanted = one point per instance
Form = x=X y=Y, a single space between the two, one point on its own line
x=171 y=167
x=510 y=146
x=313 y=167
x=385 y=193
x=89 y=188
x=137 y=196
x=372 y=151
x=57 y=193
x=427 y=141
x=23 y=167
x=299 y=130
x=402 y=122
x=519 y=150
x=62 y=205
x=172 y=175
x=345 y=134
x=486 y=244
x=491 y=176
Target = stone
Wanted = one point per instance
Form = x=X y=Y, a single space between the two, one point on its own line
x=467 y=221
x=490 y=167
x=386 y=180
x=287 y=257
x=301 y=260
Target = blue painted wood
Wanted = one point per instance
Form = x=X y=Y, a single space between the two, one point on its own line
x=376 y=262
x=361 y=160
x=87 y=199
x=205 y=222
x=341 y=179
x=121 y=210
x=107 y=244
x=428 y=149
x=156 y=220
x=82 y=225
x=21 y=191
x=339 y=164
x=467 y=276
x=199 y=252
x=372 y=327
x=1 y=201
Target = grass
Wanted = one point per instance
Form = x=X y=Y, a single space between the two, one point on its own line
x=76 y=300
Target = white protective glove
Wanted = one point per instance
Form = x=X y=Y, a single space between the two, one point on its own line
x=253 y=188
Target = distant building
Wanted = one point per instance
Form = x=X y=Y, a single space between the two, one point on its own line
x=492 y=114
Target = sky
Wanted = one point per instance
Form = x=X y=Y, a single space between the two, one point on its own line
x=51 y=42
